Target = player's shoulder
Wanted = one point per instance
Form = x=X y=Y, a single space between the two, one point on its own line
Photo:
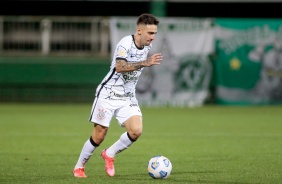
x=126 y=39
x=125 y=42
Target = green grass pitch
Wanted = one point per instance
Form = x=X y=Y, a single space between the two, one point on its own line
x=40 y=143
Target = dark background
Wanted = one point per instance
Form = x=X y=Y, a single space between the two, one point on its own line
x=134 y=8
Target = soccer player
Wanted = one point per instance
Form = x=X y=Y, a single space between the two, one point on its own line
x=115 y=96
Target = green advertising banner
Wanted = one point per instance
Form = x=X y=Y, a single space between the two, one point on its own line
x=248 y=64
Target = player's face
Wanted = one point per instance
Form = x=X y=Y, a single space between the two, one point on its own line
x=148 y=33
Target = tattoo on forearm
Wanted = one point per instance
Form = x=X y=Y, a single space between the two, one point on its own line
x=129 y=66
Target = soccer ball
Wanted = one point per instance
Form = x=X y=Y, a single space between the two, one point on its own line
x=159 y=167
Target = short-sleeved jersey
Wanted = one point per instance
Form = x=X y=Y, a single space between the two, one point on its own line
x=122 y=85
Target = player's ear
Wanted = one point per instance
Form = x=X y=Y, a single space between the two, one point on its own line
x=138 y=30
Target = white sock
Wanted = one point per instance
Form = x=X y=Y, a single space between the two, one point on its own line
x=85 y=154
x=123 y=143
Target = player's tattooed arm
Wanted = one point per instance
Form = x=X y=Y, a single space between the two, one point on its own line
x=127 y=66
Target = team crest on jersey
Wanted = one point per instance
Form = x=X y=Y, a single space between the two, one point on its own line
x=102 y=114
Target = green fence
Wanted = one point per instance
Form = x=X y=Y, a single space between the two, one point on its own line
x=55 y=79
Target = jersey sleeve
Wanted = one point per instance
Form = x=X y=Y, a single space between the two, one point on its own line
x=121 y=53
x=123 y=48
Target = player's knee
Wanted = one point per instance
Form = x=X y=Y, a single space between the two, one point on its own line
x=138 y=133
x=135 y=134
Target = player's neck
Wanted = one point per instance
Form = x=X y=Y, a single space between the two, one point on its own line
x=137 y=41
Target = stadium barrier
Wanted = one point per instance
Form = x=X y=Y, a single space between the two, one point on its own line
x=52 y=59
x=39 y=79
x=55 y=35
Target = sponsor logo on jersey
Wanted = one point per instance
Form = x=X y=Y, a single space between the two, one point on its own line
x=130 y=76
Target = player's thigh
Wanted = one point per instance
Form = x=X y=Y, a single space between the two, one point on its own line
x=134 y=125
x=130 y=112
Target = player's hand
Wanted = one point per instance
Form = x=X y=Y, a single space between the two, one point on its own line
x=155 y=59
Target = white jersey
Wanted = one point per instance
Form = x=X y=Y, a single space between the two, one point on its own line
x=122 y=85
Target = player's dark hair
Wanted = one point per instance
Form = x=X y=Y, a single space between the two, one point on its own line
x=147 y=19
